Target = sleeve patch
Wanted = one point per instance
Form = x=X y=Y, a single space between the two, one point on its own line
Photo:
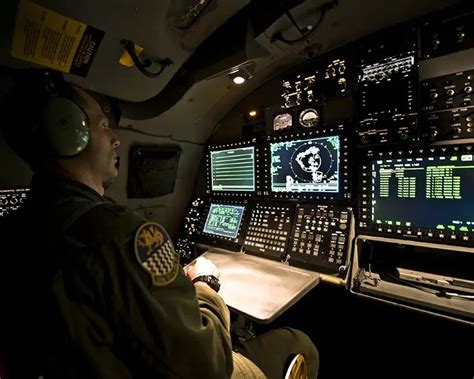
x=155 y=253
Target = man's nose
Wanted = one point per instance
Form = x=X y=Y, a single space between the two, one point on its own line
x=115 y=141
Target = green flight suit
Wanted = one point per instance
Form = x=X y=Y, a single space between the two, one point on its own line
x=98 y=313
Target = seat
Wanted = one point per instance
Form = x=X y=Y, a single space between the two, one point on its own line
x=297 y=368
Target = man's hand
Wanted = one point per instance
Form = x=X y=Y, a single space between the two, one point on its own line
x=202 y=266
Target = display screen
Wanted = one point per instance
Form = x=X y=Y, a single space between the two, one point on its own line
x=224 y=220
x=387 y=87
x=233 y=170
x=429 y=192
x=307 y=165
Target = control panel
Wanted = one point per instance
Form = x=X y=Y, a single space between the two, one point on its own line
x=447 y=106
x=388 y=81
x=320 y=237
x=11 y=199
x=380 y=103
x=301 y=89
x=337 y=81
x=193 y=217
x=185 y=245
x=269 y=230
x=452 y=31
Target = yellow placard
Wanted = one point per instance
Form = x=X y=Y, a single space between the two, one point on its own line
x=49 y=39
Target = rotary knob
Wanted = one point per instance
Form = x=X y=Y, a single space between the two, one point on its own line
x=450 y=92
x=468 y=89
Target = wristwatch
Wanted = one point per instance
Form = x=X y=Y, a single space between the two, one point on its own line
x=210 y=280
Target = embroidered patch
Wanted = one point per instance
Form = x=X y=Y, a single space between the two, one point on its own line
x=155 y=253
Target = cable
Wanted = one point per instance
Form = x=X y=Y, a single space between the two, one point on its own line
x=129 y=46
x=167 y=136
x=306 y=31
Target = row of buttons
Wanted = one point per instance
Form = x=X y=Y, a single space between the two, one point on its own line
x=267 y=240
x=429 y=234
x=256 y=230
x=315 y=252
x=266 y=247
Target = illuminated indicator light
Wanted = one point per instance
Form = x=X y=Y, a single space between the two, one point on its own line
x=398 y=223
x=238 y=79
x=407 y=223
x=252 y=113
x=390 y=222
x=454 y=158
x=440 y=227
x=452 y=227
x=464 y=229
x=466 y=157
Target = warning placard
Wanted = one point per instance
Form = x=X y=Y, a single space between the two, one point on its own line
x=47 y=38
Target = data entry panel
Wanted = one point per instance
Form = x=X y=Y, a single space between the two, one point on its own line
x=269 y=230
x=321 y=238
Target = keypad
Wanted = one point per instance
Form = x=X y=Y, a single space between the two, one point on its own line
x=269 y=230
x=320 y=234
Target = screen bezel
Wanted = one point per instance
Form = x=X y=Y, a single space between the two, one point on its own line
x=223 y=205
x=230 y=146
x=216 y=240
x=344 y=179
x=413 y=232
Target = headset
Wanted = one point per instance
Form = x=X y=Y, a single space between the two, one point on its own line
x=62 y=124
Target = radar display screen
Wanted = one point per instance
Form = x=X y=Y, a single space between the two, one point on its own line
x=233 y=170
x=306 y=165
x=224 y=220
x=424 y=192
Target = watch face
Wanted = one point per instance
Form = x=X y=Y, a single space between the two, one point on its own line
x=309 y=118
x=282 y=121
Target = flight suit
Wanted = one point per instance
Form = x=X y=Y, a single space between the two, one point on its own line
x=95 y=311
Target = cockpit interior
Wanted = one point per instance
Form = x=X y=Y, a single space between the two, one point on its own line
x=320 y=152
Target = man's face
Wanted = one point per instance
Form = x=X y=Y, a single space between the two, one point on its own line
x=100 y=156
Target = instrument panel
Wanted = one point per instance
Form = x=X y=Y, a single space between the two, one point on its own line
x=12 y=199
x=397 y=163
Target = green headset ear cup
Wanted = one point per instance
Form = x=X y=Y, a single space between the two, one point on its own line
x=65 y=127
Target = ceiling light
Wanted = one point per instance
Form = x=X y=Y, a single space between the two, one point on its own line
x=242 y=73
x=238 y=79
x=252 y=113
